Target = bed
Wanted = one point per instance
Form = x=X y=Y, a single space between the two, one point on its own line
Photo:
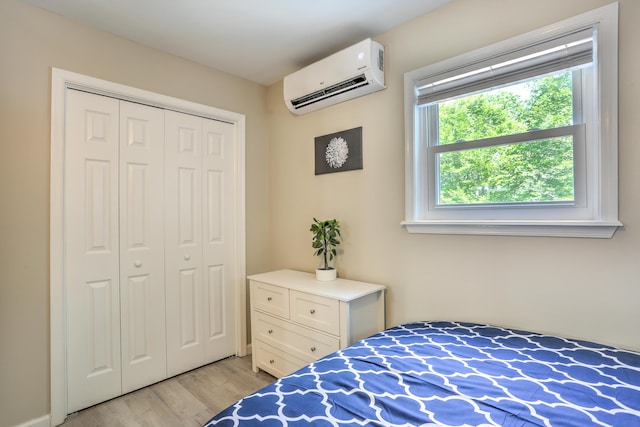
x=452 y=374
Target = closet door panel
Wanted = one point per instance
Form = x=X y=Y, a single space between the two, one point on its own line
x=219 y=247
x=183 y=251
x=150 y=244
x=91 y=249
x=142 y=245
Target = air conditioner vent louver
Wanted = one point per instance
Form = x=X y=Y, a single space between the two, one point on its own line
x=355 y=71
x=336 y=89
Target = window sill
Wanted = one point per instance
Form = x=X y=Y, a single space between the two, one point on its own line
x=590 y=229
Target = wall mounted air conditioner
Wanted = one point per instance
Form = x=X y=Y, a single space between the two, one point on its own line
x=355 y=71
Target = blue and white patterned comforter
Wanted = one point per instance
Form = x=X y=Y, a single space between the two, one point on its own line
x=453 y=374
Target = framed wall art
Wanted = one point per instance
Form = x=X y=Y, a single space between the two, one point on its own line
x=339 y=152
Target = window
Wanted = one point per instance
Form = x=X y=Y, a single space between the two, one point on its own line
x=518 y=138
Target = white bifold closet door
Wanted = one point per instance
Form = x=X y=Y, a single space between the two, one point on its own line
x=142 y=279
x=147 y=245
x=92 y=250
x=199 y=240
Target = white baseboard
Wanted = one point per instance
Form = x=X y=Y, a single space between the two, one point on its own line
x=44 y=421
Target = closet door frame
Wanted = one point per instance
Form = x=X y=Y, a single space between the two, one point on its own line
x=61 y=81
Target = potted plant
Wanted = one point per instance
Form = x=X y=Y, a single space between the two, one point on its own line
x=326 y=235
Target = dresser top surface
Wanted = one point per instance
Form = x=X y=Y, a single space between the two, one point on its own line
x=342 y=289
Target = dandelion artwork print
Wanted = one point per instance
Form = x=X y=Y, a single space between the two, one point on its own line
x=338 y=152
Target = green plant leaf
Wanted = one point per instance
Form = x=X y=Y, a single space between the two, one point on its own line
x=325 y=238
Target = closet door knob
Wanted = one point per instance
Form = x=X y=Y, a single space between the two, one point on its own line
x=312 y=311
x=271 y=361
x=270 y=331
x=269 y=298
x=187 y=257
x=312 y=349
x=137 y=263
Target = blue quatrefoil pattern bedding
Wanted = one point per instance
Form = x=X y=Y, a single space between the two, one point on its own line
x=453 y=374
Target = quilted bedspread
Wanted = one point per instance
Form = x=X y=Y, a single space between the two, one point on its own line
x=453 y=374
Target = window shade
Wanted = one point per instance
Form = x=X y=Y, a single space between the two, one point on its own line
x=568 y=51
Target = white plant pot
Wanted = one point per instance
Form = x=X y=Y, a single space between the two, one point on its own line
x=326 y=275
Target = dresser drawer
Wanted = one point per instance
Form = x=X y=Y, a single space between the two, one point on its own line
x=316 y=312
x=304 y=343
x=278 y=363
x=270 y=299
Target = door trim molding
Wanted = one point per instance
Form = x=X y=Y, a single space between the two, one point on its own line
x=61 y=80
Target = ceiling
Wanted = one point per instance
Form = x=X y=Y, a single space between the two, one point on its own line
x=259 y=40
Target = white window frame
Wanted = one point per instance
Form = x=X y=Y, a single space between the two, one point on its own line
x=596 y=215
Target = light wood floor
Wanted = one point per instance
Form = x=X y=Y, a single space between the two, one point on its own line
x=189 y=399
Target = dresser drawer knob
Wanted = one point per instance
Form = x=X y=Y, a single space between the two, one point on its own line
x=270 y=331
x=272 y=361
x=312 y=349
x=312 y=311
x=269 y=298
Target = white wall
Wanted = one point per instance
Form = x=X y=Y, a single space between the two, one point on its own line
x=585 y=288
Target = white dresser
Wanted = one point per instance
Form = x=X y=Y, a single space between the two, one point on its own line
x=296 y=319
